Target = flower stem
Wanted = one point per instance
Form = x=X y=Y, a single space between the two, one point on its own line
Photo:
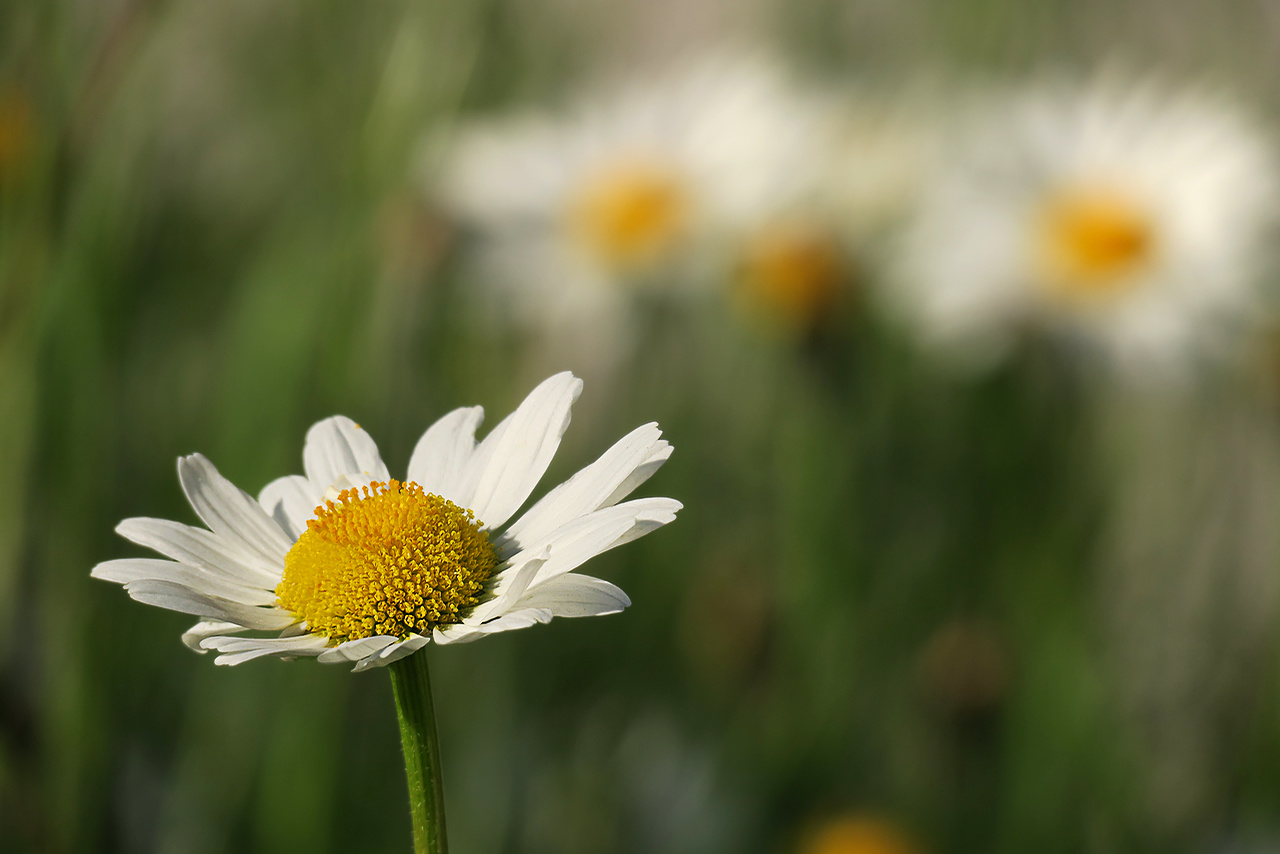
x=411 y=685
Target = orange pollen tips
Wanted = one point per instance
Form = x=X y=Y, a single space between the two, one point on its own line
x=1094 y=241
x=386 y=559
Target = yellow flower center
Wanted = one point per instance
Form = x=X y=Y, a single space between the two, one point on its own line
x=1094 y=242
x=387 y=559
x=629 y=213
x=792 y=272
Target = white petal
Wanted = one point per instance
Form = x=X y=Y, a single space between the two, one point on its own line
x=200 y=548
x=193 y=636
x=296 y=630
x=630 y=462
x=177 y=597
x=572 y=544
x=457 y=633
x=229 y=512
x=240 y=650
x=521 y=619
x=511 y=460
x=508 y=586
x=395 y=652
x=574 y=595
x=441 y=457
x=129 y=570
x=343 y=482
x=291 y=500
x=338 y=446
x=356 y=649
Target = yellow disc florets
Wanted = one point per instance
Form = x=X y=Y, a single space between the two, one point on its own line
x=1094 y=242
x=387 y=559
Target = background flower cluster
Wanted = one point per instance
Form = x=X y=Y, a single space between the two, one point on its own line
x=961 y=316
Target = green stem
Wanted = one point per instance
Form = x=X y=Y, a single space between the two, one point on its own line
x=411 y=685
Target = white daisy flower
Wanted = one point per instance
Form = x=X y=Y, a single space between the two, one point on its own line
x=631 y=189
x=348 y=565
x=1131 y=219
x=819 y=236
x=878 y=151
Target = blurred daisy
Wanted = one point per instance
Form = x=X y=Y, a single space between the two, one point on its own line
x=792 y=273
x=878 y=151
x=858 y=834
x=346 y=564
x=821 y=234
x=632 y=189
x=1130 y=219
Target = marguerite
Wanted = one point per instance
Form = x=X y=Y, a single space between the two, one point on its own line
x=346 y=563
x=1129 y=218
x=633 y=189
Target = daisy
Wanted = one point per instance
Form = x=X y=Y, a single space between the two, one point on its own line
x=791 y=273
x=346 y=564
x=628 y=190
x=820 y=235
x=1130 y=219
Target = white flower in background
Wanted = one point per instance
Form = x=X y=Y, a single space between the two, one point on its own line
x=1132 y=220
x=346 y=564
x=792 y=272
x=633 y=188
x=821 y=234
x=879 y=150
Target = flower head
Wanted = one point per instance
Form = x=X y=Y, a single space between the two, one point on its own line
x=633 y=189
x=1129 y=219
x=346 y=563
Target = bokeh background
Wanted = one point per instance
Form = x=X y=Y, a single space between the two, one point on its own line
x=919 y=600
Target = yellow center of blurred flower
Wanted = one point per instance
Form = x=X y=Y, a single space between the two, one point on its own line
x=16 y=130
x=387 y=559
x=1093 y=242
x=629 y=213
x=859 y=835
x=793 y=272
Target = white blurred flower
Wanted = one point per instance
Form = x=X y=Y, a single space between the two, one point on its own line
x=879 y=149
x=346 y=564
x=1131 y=219
x=632 y=189
x=820 y=234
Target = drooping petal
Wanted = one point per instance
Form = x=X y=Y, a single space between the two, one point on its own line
x=239 y=650
x=339 y=446
x=463 y=633
x=129 y=570
x=193 y=636
x=574 y=595
x=229 y=512
x=202 y=549
x=290 y=500
x=630 y=462
x=510 y=461
x=394 y=652
x=355 y=650
x=570 y=545
x=442 y=455
x=177 y=597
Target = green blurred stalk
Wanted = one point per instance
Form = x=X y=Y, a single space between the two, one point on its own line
x=411 y=684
